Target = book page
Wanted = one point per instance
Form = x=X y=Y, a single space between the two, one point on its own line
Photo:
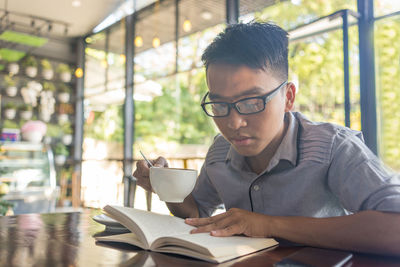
x=217 y=247
x=129 y=238
x=152 y=225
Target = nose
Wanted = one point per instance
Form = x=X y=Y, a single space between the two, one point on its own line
x=236 y=120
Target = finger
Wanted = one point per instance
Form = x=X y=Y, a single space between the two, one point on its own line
x=219 y=224
x=142 y=168
x=160 y=162
x=205 y=221
x=143 y=182
x=230 y=230
x=142 y=176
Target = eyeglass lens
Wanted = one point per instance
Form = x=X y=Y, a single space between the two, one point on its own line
x=246 y=106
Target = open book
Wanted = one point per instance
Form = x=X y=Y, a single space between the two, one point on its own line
x=169 y=234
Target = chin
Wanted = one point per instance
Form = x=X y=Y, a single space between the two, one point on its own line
x=247 y=152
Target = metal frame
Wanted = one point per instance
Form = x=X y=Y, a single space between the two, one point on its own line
x=232 y=11
x=367 y=82
x=79 y=120
x=367 y=73
x=129 y=112
x=176 y=36
x=345 y=30
x=301 y=33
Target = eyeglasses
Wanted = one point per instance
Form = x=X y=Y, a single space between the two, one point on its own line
x=245 y=106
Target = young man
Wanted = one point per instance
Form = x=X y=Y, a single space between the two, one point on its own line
x=278 y=174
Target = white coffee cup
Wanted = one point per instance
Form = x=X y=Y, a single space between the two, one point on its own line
x=172 y=185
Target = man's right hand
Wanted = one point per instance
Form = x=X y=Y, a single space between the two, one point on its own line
x=142 y=172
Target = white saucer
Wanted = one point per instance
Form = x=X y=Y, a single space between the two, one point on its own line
x=111 y=224
x=104 y=219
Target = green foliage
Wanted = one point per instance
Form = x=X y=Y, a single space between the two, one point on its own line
x=61 y=149
x=25 y=107
x=10 y=105
x=9 y=80
x=54 y=130
x=176 y=116
x=316 y=63
x=289 y=15
x=62 y=67
x=11 y=55
x=173 y=117
x=46 y=65
x=66 y=128
x=9 y=124
x=48 y=86
x=62 y=87
x=4 y=206
x=22 y=38
x=387 y=34
x=107 y=126
x=29 y=61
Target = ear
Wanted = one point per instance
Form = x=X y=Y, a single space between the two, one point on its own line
x=290 y=96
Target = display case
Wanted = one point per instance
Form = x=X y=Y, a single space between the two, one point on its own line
x=28 y=169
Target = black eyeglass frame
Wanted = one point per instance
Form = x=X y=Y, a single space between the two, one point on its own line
x=266 y=98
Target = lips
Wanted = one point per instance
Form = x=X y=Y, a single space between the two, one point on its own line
x=241 y=140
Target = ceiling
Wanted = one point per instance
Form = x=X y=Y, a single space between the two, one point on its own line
x=69 y=21
x=158 y=19
x=155 y=18
x=79 y=20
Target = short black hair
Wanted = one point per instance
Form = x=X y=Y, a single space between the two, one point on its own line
x=255 y=45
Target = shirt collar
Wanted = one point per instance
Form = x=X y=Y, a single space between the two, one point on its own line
x=287 y=150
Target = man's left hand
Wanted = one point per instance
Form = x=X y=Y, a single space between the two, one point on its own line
x=233 y=222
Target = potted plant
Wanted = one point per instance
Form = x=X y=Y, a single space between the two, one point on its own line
x=54 y=130
x=64 y=71
x=30 y=64
x=25 y=111
x=33 y=131
x=11 y=88
x=62 y=118
x=61 y=153
x=10 y=110
x=67 y=133
x=63 y=93
x=49 y=87
x=13 y=68
x=34 y=88
x=47 y=101
x=47 y=69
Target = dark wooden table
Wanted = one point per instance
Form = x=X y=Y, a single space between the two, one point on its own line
x=66 y=239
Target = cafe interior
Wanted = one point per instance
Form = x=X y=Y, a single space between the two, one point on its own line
x=85 y=85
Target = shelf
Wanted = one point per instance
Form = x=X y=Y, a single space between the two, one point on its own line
x=13 y=179
x=21 y=146
x=23 y=163
x=39 y=78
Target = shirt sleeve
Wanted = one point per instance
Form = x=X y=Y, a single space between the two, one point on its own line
x=359 y=179
x=205 y=195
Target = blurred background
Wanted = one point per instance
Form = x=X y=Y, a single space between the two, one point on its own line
x=112 y=77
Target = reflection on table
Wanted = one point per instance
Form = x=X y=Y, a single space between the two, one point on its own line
x=66 y=239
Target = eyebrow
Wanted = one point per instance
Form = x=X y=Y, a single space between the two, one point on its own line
x=252 y=91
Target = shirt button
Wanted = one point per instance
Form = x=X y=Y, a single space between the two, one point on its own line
x=256 y=188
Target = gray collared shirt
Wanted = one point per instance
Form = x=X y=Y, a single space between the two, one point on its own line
x=319 y=170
